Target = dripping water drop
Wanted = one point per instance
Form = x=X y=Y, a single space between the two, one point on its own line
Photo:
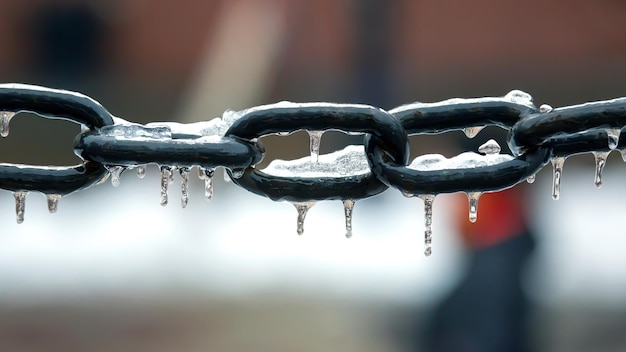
x=315 y=137
x=20 y=205
x=166 y=173
x=116 y=172
x=302 y=208
x=53 y=202
x=428 y=221
x=473 y=205
x=184 y=186
x=600 y=163
x=141 y=171
x=491 y=147
x=613 y=135
x=471 y=132
x=348 y=205
x=5 y=118
x=557 y=172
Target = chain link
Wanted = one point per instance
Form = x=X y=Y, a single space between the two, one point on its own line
x=109 y=145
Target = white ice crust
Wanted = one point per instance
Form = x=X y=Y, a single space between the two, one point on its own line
x=350 y=161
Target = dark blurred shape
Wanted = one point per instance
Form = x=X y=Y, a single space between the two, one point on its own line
x=488 y=311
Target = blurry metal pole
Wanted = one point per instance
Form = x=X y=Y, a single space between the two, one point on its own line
x=236 y=67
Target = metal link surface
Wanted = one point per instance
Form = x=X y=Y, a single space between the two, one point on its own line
x=110 y=145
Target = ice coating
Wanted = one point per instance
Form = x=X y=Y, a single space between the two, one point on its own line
x=53 y=202
x=557 y=172
x=350 y=161
x=213 y=127
x=127 y=130
x=491 y=147
x=302 y=208
x=545 y=108
x=600 y=164
x=613 y=136
x=520 y=97
x=5 y=118
x=348 y=206
x=467 y=160
x=20 y=205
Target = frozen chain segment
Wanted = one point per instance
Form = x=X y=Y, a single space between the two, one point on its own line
x=5 y=118
x=53 y=202
x=302 y=208
x=600 y=158
x=20 y=205
x=428 y=199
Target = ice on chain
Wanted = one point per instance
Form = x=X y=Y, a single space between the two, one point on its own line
x=467 y=160
x=184 y=186
x=473 y=205
x=315 y=138
x=166 y=173
x=520 y=97
x=428 y=199
x=5 y=118
x=348 y=205
x=613 y=136
x=206 y=174
x=350 y=161
x=141 y=171
x=302 y=208
x=557 y=172
x=53 y=202
x=531 y=178
x=545 y=108
x=471 y=132
x=491 y=147
x=600 y=164
x=116 y=172
x=20 y=205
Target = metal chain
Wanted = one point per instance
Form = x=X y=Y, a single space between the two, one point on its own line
x=109 y=145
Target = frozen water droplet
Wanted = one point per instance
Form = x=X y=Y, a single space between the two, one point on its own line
x=315 y=137
x=613 y=134
x=600 y=163
x=5 y=118
x=166 y=173
x=473 y=205
x=428 y=221
x=237 y=173
x=491 y=147
x=557 y=172
x=520 y=97
x=141 y=171
x=545 y=108
x=20 y=205
x=207 y=176
x=531 y=178
x=408 y=195
x=53 y=202
x=116 y=172
x=184 y=186
x=226 y=176
x=471 y=132
x=302 y=208
x=348 y=205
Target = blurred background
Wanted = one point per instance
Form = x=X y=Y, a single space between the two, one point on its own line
x=112 y=270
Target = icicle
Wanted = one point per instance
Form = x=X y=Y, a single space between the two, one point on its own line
x=491 y=147
x=141 y=171
x=557 y=171
x=531 y=178
x=5 y=118
x=600 y=163
x=428 y=221
x=20 y=205
x=473 y=205
x=171 y=178
x=53 y=202
x=207 y=176
x=545 y=108
x=166 y=173
x=184 y=186
x=348 y=205
x=116 y=172
x=315 y=138
x=471 y=132
x=613 y=134
x=302 y=208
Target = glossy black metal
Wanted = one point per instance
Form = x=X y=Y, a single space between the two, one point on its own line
x=53 y=180
x=181 y=150
x=535 y=129
x=54 y=104
x=384 y=129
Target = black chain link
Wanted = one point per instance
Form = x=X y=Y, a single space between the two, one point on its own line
x=109 y=145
